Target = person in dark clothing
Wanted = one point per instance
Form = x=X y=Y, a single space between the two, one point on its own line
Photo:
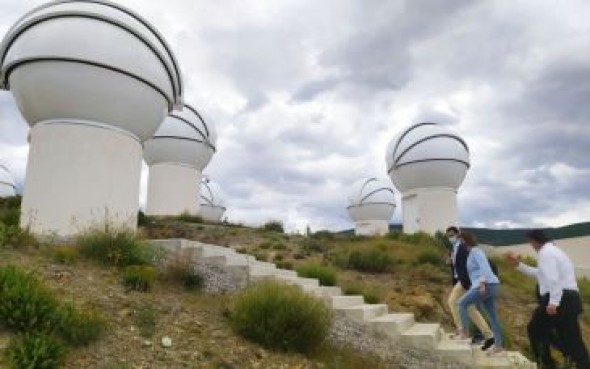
x=559 y=304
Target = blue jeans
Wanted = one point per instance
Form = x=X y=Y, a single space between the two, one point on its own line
x=486 y=302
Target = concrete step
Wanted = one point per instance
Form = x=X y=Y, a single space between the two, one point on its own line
x=323 y=291
x=363 y=313
x=336 y=302
x=392 y=325
x=424 y=335
x=507 y=360
x=303 y=282
x=285 y=273
x=458 y=351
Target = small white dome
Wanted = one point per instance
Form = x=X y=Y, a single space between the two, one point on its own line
x=371 y=199
x=183 y=138
x=427 y=155
x=212 y=203
x=7 y=187
x=68 y=59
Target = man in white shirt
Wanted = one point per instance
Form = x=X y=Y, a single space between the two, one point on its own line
x=560 y=304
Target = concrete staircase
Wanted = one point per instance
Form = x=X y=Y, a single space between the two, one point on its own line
x=427 y=336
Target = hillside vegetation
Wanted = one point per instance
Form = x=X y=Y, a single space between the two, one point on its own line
x=112 y=285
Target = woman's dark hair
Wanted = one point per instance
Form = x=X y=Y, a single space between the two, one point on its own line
x=537 y=235
x=453 y=229
x=468 y=239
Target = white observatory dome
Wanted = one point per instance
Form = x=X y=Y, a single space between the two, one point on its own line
x=90 y=61
x=371 y=199
x=183 y=138
x=7 y=187
x=427 y=155
x=212 y=204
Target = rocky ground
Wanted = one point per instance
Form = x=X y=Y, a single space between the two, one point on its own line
x=170 y=328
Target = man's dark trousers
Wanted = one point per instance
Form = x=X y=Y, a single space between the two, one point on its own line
x=567 y=326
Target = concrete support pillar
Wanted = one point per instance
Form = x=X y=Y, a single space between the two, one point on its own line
x=173 y=189
x=80 y=174
x=429 y=209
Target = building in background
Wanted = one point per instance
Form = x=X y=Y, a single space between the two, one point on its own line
x=371 y=205
x=176 y=155
x=93 y=80
x=212 y=202
x=7 y=186
x=427 y=164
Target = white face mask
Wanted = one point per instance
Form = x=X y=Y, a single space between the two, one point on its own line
x=453 y=239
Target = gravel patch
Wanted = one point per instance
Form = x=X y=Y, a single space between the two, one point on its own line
x=216 y=279
x=397 y=355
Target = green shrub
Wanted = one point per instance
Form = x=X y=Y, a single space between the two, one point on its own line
x=80 y=327
x=146 y=319
x=280 y=316
x=310 y=245
x=139 y=277
x=260 y=256
x=11 y=236
x=279 y=246
x=370 y=260
x=274 y=226
x=284 y=265
x=371 y=295
x=190 y=218
x=325 y=274
x=429 y=257
x=278 y=257
x=65 y=254
x=117 y=246
x=34 y=351
x=182 y=270
x=25 y=304
x=265 y=245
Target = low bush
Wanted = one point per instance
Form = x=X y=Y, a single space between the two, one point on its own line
x=325 y=274
x=279 y=246
x=139 y=277
x=65 y=254
x=80 y=327
x=25 y=304
x=274 y=226
x=117 y=246
x=429 y=257
x=260 y=256
x=34 y=351
x=371 y=295
x=182 y=270
x=280 y=317
x=278 y=257
x=284 y=265
x=190 y=218
x=310 y=245
x=146 y=319
x=372 y=260
x=13 y=237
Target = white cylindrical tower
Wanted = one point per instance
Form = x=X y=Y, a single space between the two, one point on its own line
x=7 y=187
x=177 y=154
x=93 y=80
x=427 y=164
x=212 y=203
x=371 y=205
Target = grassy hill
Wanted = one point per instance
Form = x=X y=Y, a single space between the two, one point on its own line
x=407 y=272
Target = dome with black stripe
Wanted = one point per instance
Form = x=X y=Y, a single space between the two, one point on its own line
x=427 y=155
x=212 y=203
x=371 y=199
x=183 y=138
x=90 y=60
x=7 y=187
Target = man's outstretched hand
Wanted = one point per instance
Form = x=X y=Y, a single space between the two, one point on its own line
x=512 y=258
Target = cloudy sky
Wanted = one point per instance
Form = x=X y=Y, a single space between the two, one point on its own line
x=306 y=94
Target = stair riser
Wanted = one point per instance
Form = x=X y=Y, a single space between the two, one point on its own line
x=392 y=329
x=361 y=315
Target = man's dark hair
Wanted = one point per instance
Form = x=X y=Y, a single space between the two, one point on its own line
x=537 y=235
x=453 y=229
